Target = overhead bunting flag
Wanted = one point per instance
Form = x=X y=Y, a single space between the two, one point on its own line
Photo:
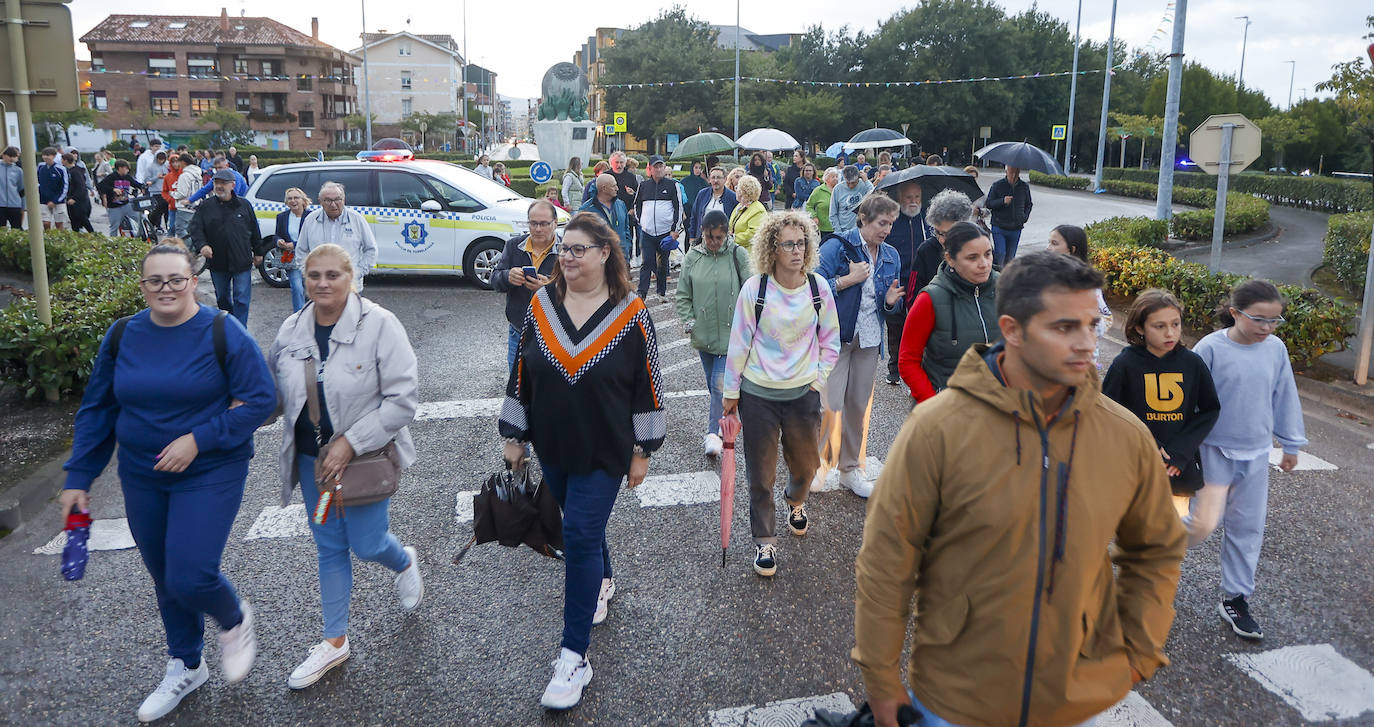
x=855 y=84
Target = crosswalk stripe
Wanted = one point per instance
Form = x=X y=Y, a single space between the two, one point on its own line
x=280 y=522
x=687 y=488
x=684 y=363
x=1305 y=461
x=106 y=534
x=1133 y=711
x=1319 y=683
x=463 y=508
x=782 y=713
x=674 y=344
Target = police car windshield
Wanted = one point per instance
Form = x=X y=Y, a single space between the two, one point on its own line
x=472 y=182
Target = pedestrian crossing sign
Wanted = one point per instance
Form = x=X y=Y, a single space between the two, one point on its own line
x=610 y=129
x=1058 y=132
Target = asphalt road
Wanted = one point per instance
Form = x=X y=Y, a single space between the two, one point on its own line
x=686 y=642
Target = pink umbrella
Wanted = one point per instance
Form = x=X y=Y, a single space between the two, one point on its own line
x=729 y=430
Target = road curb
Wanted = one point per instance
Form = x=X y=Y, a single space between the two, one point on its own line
x=25 y=499
x=1344 y=395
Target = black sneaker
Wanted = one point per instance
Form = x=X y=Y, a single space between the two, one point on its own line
x=796 y=520
x=766 y=559
x=893 y=379
x=1236 y=611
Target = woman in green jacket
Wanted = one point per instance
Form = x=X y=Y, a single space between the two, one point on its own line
x=749 y=213
x=818 y=204
x=712 y=274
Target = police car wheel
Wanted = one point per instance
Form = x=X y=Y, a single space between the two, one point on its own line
x=272 y=271
x=481 y=262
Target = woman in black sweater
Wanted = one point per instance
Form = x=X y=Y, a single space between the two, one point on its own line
x=587 y=392
x=1168 y=386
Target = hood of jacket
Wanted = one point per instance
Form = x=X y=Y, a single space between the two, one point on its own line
x=1012 y=507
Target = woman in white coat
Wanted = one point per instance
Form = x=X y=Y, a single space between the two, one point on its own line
x=365 y=374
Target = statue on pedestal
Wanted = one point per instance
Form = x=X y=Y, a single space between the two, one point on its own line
x=564 y=94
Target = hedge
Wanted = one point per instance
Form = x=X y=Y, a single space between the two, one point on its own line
x=1326 y=194
x=1347 y=247
x=1244 y=212
x=1059 y=181
x=1124 y=249
x=95 y=282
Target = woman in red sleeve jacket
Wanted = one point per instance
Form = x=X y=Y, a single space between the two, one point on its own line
x=956 y=310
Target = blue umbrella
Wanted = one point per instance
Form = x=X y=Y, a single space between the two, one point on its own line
x=834 y=150
x=1021 y=155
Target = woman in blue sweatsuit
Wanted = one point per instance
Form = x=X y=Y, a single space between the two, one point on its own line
x=184 y=445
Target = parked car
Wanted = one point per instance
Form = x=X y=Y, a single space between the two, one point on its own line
x=429 y=217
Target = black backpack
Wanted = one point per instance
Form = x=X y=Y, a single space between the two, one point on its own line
x=216 y=333
x=763 y=290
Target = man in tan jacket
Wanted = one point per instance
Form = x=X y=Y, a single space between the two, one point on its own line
x=995 y=509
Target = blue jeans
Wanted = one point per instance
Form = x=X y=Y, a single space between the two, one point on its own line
x=714 y=368
x=586 y=501
x=181 y=225
x=117 y=215
x=930 y=719
x=297 y=289
x=233 y=292
x=648 y=246
x=512 y=347
x=181 y=528
x=1004 y=244
x=627 y=246
x=363 y=528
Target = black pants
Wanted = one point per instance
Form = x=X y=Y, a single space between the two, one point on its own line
x=895 y=323
x=798 y=424
x=649 y=244
x=80 y=214
x=12 y=216
x=158 y=212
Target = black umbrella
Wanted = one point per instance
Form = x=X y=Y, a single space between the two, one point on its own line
x=390 y=142
x=876 y=139
x=1021 y=155
x=511 y=510
x=934 y=180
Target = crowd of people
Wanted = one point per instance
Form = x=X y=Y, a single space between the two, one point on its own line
x=790 y=311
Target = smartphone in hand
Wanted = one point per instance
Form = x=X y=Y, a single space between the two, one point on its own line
x=531 y=271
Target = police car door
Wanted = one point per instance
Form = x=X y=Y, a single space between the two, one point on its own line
x=407 y=238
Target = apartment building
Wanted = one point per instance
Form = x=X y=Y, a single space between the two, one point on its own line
x=168 y=71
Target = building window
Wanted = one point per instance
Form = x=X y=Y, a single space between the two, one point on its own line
x=273 y=103
x=165 y=103
x=202 y=66
x=178 y=25
x=202 y=101
x=241 y=66
x=99 y=102
x=405 y=108
x=271 y=68
x=243 y=103
x=139 y=24
x=162 y=63
x=97 y=63
x=403 y=48
x=405 y=80
x=307 y=119
x=305 y=83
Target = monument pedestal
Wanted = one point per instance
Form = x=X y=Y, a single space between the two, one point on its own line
x=560 y=141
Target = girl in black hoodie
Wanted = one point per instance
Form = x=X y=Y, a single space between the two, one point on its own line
x=1168 y=386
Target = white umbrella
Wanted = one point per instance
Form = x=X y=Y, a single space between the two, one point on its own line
x=768 y=139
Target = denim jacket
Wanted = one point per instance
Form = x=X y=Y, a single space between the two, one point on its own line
x=837 y=252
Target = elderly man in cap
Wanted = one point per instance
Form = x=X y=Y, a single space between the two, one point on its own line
x=659 y=212
x=227 y=230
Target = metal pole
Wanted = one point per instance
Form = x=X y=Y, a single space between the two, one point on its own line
x=1223 y=182
x=1106 y=102
x=737 y=2
x=1164 y=197
x=1367 y=309
x=20 y=68
x=1073 y=92
x=367 y=87
x=1292 y=71
x=463 y=73
x=1244 y=40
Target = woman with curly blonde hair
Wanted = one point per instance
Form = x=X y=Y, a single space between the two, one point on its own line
x=784 y=341
x=749 y=212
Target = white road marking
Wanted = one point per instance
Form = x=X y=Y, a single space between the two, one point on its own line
x=688 y=488
x=106 y=534
x=1305 y=461
x=660 y=306
x=686 y=393
x=782 y=713
x=280 y=522
x=463 y=509
x=871 y=469
x=458 y=409
x=1313 y=679
x=674 y=344
x=1133 y=711
x=684 y=363
x=1370 y=445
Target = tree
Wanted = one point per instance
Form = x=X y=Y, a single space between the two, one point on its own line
x=1353 y=84
x=685 y=123
x=144 y=121
x=65 y=120
x=231 y=129
x=1280 y=131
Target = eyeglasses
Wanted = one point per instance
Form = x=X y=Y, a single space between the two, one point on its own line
x=155 y=285
x=791 y=246
x=540 y=223
x=331 y=201
x=940 y=235
x=576 y=251
x=1275 y=322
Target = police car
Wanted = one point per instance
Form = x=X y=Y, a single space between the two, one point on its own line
x=429 y=217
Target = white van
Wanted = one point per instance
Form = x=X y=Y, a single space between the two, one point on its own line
x=429 y=217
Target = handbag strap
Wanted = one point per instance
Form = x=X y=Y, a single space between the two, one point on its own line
x=312 y=396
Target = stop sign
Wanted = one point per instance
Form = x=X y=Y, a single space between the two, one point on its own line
x=1205 y=143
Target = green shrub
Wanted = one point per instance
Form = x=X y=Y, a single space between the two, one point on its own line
x=95 y=281
x=1347 y=247
x=1316 y=324
x=1244 y=212
x=1319 y=193
x=1058 y=181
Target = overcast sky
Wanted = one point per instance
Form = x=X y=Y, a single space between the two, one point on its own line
x=520 y=41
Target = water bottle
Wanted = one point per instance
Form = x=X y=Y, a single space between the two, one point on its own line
x=74 y=554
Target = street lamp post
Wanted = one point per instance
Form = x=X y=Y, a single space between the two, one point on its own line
x=737 y=2
x=1167 y=156
x=1292 y=71
x=1244 y=39
x=1073 y=92
x=1106 y=102
x=367 y=87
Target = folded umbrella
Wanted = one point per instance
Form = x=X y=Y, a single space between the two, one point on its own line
x=729 y=431
x=512 y=511
x=934 y=180
x=1020 y=154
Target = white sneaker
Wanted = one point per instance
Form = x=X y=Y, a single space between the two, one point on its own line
x=410 y=588
x=603 y=600
x=712 y=445
x=570 y=674
x=323 y=657
x=854 y=480
x=238 y=647
x=176 y=684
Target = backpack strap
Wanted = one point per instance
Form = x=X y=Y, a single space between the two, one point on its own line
x=116 y=333
x=815 y=299
x=758 y=302
x=221 y=342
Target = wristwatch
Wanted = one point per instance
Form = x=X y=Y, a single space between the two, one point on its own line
x=639 y=452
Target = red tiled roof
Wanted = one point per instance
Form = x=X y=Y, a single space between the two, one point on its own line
x=204 y=29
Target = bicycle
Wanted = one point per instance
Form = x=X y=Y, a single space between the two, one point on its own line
x=138 y=226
